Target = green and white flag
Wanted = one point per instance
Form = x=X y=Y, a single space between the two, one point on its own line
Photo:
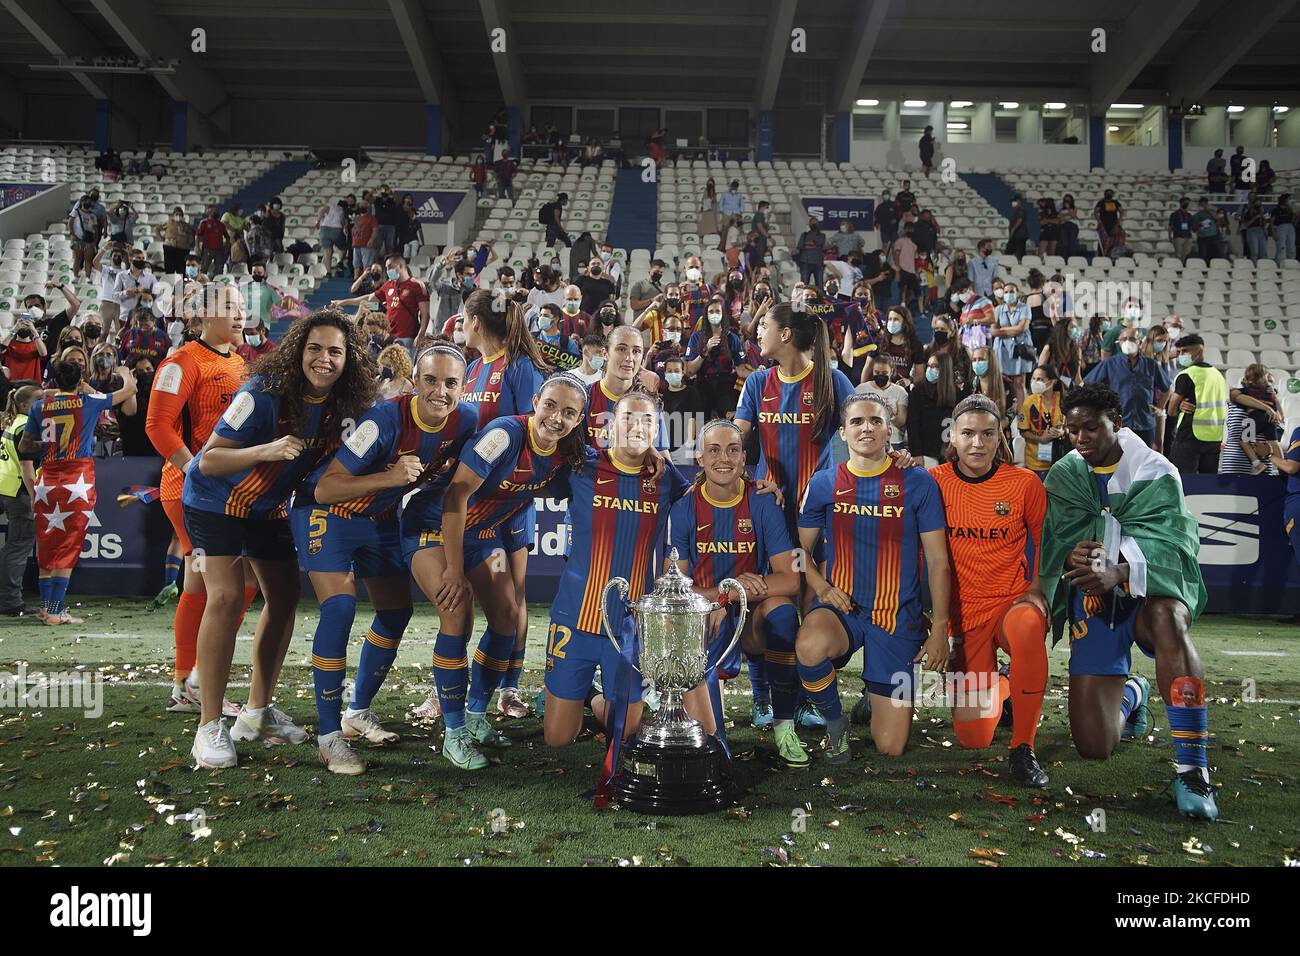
x=1147 y=526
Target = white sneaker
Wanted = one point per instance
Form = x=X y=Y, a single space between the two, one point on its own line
x=511 y=704
x=338 y=756
x=213 y=748
x=431 y=709
x=188 y=702
x=363 y=723
x=273 y=725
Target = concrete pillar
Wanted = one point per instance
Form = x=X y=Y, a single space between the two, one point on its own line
x=843 y=135
x=982 y=129
x=891 y=120
x=1029 y=126
x=1096 y=141
x=512 y=129
x=764 y=148
x=1288 y=129
x=103 y=124
x=1252 y=127
x=1174 y=139
x=1211 y=129
x=433 y=129
x=180 y=126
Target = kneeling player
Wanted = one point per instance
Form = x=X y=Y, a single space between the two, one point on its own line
x=724 y=529
x=876 y=519
x=1143 y=585
x=994 y=509
x=345 y=527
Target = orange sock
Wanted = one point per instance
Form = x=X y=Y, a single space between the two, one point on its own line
x=189 y=615
x=977 y=733
x=1026 y=631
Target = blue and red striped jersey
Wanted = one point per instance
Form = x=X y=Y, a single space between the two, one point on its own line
x=255 y=417
x=497 y=389
x=619 y=515
x=66 y=423
x=782 y=410
x=723 y=539
x=872 y=524
x=386 y=432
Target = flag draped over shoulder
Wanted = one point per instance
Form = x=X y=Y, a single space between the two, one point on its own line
x=1148 y=527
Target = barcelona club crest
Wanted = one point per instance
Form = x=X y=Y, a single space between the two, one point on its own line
x=648 y=486
x=495 y=379
x=893 y=491
x=807 y=398
x=314 y=545
x=745 y=526
x=1002 y=509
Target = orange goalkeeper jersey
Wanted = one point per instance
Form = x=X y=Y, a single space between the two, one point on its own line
x=991 y=522
x=191 y=390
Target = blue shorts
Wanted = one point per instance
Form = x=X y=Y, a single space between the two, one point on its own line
x=222 y=535
x=1102 y=644
x=887 y=658
x=332 y=237
x=572 y=657
x=521 y=530
x=330 y=542
x=1291 y=522
x=362 y=257
x=478 y=545
x=729 y=666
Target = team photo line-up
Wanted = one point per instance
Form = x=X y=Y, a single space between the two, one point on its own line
x=804 y=494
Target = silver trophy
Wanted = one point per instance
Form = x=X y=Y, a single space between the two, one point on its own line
x=673 y=766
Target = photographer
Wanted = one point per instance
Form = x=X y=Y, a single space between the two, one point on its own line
x=24 y=352
x=50 y=327
x=121 y=222
x=83 y=227
x=444 y=282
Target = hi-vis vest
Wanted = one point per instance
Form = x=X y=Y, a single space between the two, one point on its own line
x=11 y=476
x=1211 y=403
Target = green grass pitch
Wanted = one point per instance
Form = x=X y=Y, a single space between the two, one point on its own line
x=114 y=790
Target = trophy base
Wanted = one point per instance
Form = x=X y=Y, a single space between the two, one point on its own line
x=675 y=781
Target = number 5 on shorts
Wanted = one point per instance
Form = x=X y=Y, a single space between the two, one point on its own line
x=316 y=522
x=559 y=636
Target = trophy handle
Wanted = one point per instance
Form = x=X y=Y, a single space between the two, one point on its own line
x=621 y=586
x=731 y=584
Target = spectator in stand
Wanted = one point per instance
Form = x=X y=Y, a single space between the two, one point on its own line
x=887 y=217
x=1206 y=226
x=926 y=148
x=810 y=257
x=109 y=270
x=1012 y=342
x=1110 y=214
x=1090 y=342
x=121 y=222
x=573 y=321
x=906 y=199
x=212 y=243
x=1130 y=317
x=713 y=355
x=1017 y=228
x=331 y=220
x=946 y=342
x=377 y=335
x=83 y=227
x=1042 y=420
x=554 y=341
x=902 y=347
x=1068 y=215
x=551 y=216
x=879 y=382
x=1254 y=422
x=732 y=238
x=683 y=406
x=1062 y=351
x=847 y=240
x=257 y=340
x=613 y=268
x=606 y=318
x=144 y=339
x=1254 y=226
x=365 y=239
x=259 y=294
x=976 y=314
x=1180 y=229
x=655 y=316
x=388 y=215
x=1264 y=178
x=925 y=233
x=592 y=369
x=478 y=175
x=394 y=372
x=1199 y=400
x=1216 y=173
x=1282 y=219
x=258 y=239
x=760 y=237
x=732 y=202
x=444 y=282
x=408 y=228
x=1137 y=380
x=982 y=270
x=708 y=222
x=990 y=382
x=929 y=408
x=134 y=284
x=584 y=249
x=645 y=291
x=670 y=345
x=1237 y=166
x=596 y=286
x=234 y=223
x=505 y=169
x=547 y=288
x=904 y=263
x=405 y=300
x=1049 y=226
x=24 y=352
x=177 y=236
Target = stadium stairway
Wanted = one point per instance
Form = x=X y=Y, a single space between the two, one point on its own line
x=998 y=194
x=633 y=217
x=271 y=183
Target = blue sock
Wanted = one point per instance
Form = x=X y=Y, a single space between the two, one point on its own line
x=516 y=668
x=758 y=679
x=378 y=653
x=329 y=659
x=45 y=594
x=782 y=626
x=172 y=569
x=820 y=688
x=58 y=588
x=1188 y=723
x=1132 y=697
x=491 y=661
x=450 y=675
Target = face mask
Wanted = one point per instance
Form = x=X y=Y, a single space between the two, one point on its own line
x=834 y=364
x=394 y=275
x=177 y=217
x=767 y=258
x=844 y=227
x=956 y=299
x=940 y=337
x=191 y=272
x=1076 y=334
x=458 y=336
x=253 y=340
x=832 y=290
x=597 y=362
x=36 y=312
x=656 y=275
x=607 y=318
x=91 y=331
x=1037 y=387
x=572 y=306
x=932 y=375
x=1133 y=313
x=545 y=320
x=693 y=274
x=673 y=337
x=1106 y=325
x=594 y=270
x=467 y=282
x=137 y=263
x=1129 y=347
x=674 y=378
x=894 y=326
x=715 y=318
x=980 y=368
x=673 y=303
x=881 y=380
x=1185 y=359
x=1009 y=297
x=1158 y=347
